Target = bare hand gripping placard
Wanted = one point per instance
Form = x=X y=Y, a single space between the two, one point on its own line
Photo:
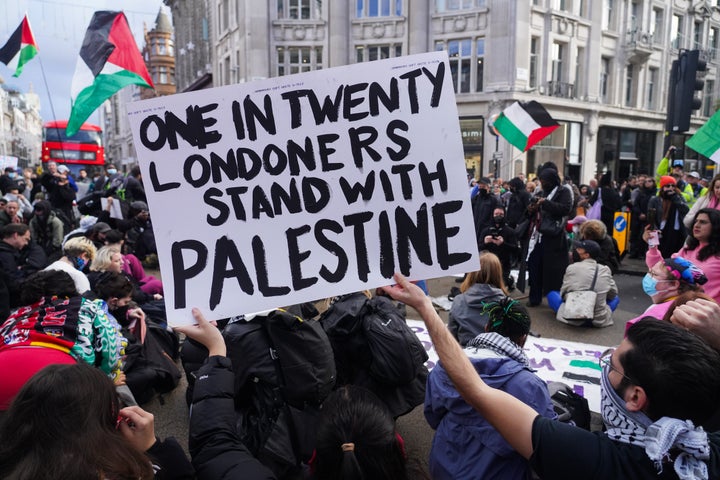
x=297 y=188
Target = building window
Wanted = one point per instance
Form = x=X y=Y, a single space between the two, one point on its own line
x=697 y=36
x=226 y=71
x=223 y=16
x=299 y=9
x=574 y=7
x=634 y=20
x=608 y=15
x=534 y=49
x=708 y=100
x=454 y=5
x=378 y=8
x=466 y=63
x=479 y=61
x=292 y=60
x=604 y=80
x=558 y=55
x=713 y=42
x=163 y=78
x=657 y=25
x=369 y=53
x=677 y=31
x=651 y=83
x=629 y=81
x=579 y=69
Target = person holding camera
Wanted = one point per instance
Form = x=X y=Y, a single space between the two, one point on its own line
x=665 y=218
x=501 y=240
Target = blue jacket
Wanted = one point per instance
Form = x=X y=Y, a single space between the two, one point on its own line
x=465 y=444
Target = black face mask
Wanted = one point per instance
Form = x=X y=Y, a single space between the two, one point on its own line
x=499 y=219
x=120 y=314
x=576 y=256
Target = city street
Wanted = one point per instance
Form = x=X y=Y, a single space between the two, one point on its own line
x=171 y=415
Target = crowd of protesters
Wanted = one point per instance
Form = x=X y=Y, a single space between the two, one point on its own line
x=83 y=332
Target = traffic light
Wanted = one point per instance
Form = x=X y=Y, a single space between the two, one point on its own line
x=689 y=65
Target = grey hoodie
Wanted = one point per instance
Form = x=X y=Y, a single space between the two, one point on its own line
x=466 y=319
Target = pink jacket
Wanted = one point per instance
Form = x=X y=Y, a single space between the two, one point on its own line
x=656 y=310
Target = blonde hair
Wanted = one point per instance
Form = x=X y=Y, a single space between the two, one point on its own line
x=593 y=230
x=490 y=273
x=79 y=245
x=103 y=259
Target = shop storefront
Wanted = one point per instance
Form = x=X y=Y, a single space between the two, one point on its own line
x=626 y=152
x=473 y=134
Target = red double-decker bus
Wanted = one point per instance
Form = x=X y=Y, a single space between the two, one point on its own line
x=82 y=150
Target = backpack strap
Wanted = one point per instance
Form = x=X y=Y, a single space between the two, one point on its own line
x=592 y=286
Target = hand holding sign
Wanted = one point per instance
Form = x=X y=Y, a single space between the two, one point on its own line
x=298 y=188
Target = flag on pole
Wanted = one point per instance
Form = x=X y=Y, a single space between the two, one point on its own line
x=109 y=61
x=707 y=139
x=20 y=48
x=524 y=124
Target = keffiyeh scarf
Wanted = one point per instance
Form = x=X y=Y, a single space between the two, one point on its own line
x=656 y=438
x=500 y=345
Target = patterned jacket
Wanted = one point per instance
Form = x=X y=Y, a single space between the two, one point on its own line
x=77 y=326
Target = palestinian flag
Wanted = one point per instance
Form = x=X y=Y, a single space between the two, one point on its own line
x=524 y=124
x=20 y=48
x=706 y=141
x=109 y=61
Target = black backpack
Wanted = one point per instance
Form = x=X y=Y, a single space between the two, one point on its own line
x=375 y=349
x=284 y=369
x=570 y=407
x=304 y=356
x=150 y=366
x=397 y=355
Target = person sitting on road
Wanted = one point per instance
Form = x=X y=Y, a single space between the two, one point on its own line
x=78 y=252
x=580 y=275
x=109 y=259
x=467 y=318
x=498 y=358
x=596 y=231
x=356 y=435
x=501 y=240
x=66 y=422
x=133 y=266
x=702 y=248
x=666 y=280
x=656 y=386
x=56 y=325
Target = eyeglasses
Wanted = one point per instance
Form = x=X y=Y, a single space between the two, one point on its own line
x=606 y=359
x=662 y=277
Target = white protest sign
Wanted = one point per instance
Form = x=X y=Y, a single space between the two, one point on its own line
x=298 y=188
x=573 y=363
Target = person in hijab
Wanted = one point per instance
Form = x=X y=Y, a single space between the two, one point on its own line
x=547 y=250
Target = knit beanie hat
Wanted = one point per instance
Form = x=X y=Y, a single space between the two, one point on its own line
x=667 y=180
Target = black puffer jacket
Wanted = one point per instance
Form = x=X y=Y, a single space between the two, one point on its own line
x=216 y=449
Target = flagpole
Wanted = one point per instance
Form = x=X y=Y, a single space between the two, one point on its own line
x=52 y=108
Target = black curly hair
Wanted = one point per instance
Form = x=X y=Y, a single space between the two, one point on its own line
x=47 y=283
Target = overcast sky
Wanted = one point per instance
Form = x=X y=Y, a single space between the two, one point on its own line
x=59 y=28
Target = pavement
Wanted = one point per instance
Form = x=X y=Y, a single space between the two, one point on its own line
x=171 y=411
